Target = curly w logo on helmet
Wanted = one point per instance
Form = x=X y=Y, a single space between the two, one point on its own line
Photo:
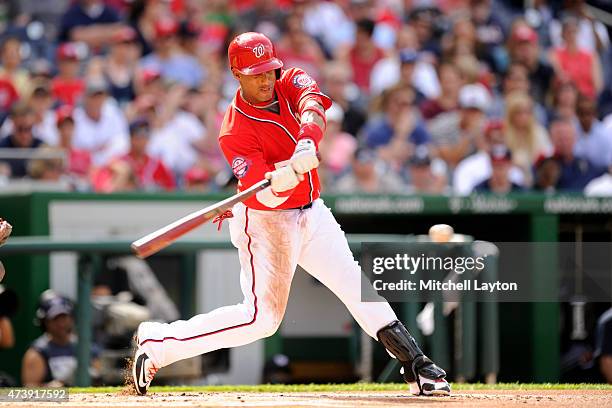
x=259 y=50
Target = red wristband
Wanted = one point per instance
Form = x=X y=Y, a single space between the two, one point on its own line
x=312 y=131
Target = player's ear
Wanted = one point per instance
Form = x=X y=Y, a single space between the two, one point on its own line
x=236 y=74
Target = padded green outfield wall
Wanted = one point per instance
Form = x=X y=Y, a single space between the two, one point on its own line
x=529 y=332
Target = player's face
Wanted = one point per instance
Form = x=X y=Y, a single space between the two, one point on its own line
x=257 y=88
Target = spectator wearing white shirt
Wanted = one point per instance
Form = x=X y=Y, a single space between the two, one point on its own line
x=592 y=34
x=594 y=143
x=100 y=126
x=600 y=186
x=477 y=168
x=388 y=71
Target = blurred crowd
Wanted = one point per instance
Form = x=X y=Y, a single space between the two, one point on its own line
x=431 y=97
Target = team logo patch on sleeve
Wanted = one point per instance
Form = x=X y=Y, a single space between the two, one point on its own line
x=240 y=166
x=302 y=81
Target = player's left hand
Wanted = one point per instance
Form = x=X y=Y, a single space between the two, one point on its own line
x=304 y=157
x=5 y=230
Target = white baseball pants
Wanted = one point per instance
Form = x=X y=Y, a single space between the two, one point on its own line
x=270 y=245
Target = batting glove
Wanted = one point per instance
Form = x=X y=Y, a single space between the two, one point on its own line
x=304 y=157
x=283 y=180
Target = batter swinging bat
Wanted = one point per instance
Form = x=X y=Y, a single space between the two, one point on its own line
x=157 y=240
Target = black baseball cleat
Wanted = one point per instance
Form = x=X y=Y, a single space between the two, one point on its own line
x=143 y=372
x=422 y=375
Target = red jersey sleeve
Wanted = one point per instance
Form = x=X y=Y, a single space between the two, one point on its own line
x=299 y=86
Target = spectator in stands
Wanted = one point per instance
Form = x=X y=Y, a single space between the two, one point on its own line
x=90 y=21
x=399 y=126
x=369 y=175
x=523 y=48
x=427 y=175
x=142 y=17
x=594 y=142
x=151 y=173
x=488 y=25
x=168 y=58
x=516 y=79
x=118 y=67
x=476 y=168
x=450 y=83
x=339 y=87
x=423 y=19
x=454 y=133
x=79 y=166
x=48 y=166
x=591 y=34
x=40 y=101
x=580 y=65
x=263 y=16
x=499 y=182
x=547 y=173
x=11 y=69
x=525 y=137
x=178 y=136
x=337 y=147
x=100 y=126
x=564 y=96
x=297 y=49
x=328 y=23
x=21 y=137
x=363 y=55
x=405 y=61
x=68 y=86
x=576 y=173
x=51 y=359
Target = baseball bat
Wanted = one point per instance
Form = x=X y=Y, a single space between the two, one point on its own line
x=160 y=239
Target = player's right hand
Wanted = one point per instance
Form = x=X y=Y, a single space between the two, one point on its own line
x=283 y=179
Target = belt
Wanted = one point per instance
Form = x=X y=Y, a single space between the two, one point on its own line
x=304 y=207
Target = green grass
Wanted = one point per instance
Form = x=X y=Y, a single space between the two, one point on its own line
x=347 y=387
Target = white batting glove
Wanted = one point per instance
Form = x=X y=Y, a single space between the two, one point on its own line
x=283 y=179
x=304 y=157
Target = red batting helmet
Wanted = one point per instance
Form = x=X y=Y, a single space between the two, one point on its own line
x=252 y=53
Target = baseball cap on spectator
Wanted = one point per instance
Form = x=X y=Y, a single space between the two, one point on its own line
x=420 y=157
x=408 y=56
x=96 y=86
x=68 y=51
x=64 y=113
x=125 y=35
x=524 y=33
x=500 y=153
x=150 y=74
x=41 y=67
x=165 y=27
x=474 y=96
x=140 y=127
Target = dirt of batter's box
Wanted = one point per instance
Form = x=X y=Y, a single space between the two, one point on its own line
x=348 y=399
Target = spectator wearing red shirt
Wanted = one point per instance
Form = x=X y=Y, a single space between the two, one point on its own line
x=578 y=64
x=79 y=160
x=150 y=173
x=364 y=54
x=67 y=87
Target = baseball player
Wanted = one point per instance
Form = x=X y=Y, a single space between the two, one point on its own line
x=272 y=129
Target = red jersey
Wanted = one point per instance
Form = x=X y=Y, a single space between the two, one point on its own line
x=255 y=141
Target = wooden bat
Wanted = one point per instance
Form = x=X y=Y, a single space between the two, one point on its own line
x=160 y=239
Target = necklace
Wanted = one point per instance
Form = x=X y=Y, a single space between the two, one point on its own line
x=274 y=102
